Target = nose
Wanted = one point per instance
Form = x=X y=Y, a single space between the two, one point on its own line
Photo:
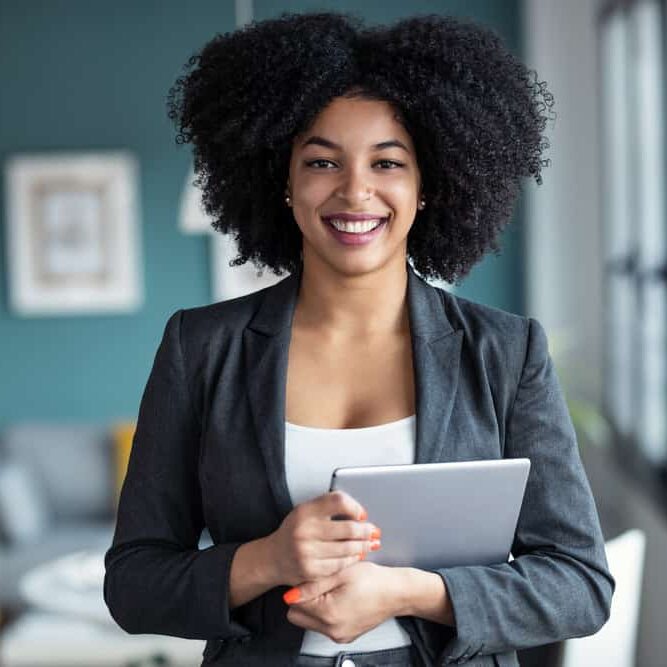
x=354 y=187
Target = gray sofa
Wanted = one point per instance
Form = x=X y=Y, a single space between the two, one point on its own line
x=56 y=497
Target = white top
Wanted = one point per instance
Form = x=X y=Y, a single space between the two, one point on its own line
x=311 y=455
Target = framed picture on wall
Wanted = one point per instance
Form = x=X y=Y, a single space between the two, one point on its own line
x=73 y=243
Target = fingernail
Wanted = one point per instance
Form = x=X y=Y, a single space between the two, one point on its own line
x=364 y=515
x=292 y=595
x=375 y=545
x=362 y=555
x=376 y=534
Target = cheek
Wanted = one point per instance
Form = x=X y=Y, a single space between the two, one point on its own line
x=306 y=204
x=312 y=192
x=402 y=193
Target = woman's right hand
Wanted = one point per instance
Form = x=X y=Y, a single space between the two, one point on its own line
x=310 y=544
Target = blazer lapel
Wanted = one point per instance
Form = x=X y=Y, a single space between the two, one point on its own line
x=436 y=350
x=266 y=346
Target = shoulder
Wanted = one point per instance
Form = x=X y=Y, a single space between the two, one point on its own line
x=496 y=337
x=231 y=313
x=481 y=322
x=196 y=327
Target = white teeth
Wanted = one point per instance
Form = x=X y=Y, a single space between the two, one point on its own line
x=356 y=227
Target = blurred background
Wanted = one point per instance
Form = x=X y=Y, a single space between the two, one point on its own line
x=102 y=240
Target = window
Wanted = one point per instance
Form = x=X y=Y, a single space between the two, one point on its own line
x=635 y=226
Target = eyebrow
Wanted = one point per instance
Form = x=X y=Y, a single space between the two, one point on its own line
x=321 y=141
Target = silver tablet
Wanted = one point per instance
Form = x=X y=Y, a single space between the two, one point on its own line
x=435 y=515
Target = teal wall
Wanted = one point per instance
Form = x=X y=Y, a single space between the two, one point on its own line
x=82 y=75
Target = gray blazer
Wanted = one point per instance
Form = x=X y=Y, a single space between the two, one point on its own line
x=209 y=451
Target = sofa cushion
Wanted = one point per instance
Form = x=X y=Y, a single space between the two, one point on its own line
x=24 y=511
x=72 y=464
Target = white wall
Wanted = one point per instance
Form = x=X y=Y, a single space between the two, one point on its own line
x=563 y=236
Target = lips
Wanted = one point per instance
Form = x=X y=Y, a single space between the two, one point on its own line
x=357 y=239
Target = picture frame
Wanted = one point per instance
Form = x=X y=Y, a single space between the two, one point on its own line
x=73 y=242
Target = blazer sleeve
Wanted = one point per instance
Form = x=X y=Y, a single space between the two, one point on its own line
x=558 y=585
x=156 y=579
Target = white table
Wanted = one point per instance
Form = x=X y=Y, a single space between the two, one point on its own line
x=68 y=623
x=38 y=639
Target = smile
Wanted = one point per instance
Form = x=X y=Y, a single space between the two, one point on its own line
x=355 y=233
x=355 y=227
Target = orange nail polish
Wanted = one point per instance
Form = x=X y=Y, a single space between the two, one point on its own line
x=364 y=515
x=375 y=545
x=376 y=534
x=362 y=555
x=292 y=595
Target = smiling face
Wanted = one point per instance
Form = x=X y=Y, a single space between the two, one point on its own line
x=355 y=158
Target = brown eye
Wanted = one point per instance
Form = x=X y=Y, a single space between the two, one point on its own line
x=392 y=163
x=312 y=163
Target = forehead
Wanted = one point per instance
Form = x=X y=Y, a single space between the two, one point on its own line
x=358 y=121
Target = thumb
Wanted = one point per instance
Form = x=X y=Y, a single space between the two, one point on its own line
x=310 y=590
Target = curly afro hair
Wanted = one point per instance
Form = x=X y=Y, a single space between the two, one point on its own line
x=475 y=113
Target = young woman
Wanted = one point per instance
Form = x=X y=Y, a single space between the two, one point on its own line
x=337 y=152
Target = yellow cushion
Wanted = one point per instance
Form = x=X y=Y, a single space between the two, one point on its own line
x=123 y=435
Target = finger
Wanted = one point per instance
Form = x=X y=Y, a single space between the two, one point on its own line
x=348 y=549
x=339 y=503
x=347 y=530
x=309 y=590
x=343 y=549
x=330 y=566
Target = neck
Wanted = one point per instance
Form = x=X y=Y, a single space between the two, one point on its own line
x=349 y=306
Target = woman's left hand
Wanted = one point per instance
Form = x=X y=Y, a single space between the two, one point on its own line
x=349 y=603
